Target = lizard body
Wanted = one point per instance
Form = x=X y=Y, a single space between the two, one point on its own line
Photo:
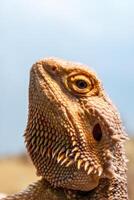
x=74 y=135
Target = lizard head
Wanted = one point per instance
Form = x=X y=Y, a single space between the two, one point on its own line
x=73 y=129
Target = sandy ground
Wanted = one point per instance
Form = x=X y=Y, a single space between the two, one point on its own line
x=16 y=172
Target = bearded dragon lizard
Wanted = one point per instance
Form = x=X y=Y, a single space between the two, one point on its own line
x=74 y=136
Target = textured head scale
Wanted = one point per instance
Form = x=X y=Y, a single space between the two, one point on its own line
x=73 y=130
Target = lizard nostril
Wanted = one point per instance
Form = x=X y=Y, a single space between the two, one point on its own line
x=97 y=133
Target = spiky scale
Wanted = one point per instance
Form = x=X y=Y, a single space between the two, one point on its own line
x=86 y=165
x=69 y=163
x=60 y=157
x=90 y=169
x=100 y=170
x=77 y=155
x=64 y=160
x=79 y=163
x=75 y=149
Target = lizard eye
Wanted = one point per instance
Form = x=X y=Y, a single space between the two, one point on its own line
x=80 y=84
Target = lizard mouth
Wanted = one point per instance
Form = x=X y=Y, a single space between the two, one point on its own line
x=83 y=181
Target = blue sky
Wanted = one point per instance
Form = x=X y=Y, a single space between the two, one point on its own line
x=97 y=33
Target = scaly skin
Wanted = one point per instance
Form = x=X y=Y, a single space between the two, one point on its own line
x=74 y=135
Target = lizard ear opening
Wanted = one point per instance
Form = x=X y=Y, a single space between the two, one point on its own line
x=97 y=133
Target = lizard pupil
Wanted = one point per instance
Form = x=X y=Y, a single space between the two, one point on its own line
x=81 y=84
x=97 y=133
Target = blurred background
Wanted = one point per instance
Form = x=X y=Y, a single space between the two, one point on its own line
x=97 y=33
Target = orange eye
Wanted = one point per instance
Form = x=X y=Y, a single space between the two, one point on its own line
x=80 y=84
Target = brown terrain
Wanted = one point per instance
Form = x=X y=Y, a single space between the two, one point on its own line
x=16 y=172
